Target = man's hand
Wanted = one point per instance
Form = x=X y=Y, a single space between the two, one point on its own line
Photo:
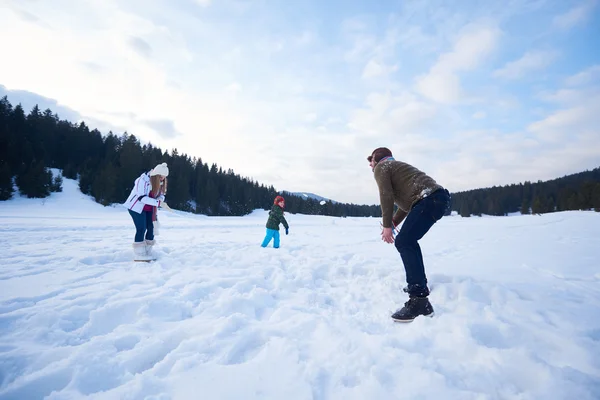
x=386 y=235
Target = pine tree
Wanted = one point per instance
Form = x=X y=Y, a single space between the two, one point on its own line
x=6 y=183
x=200 y=186
x=476 y=210
x=8 y=143
x=464 y=210
x=130 y=167
x=70 y=172
x=105 y=185
x=525 y=207
x=21 y=156
x=550 y=204
x=587 y=195
x=57 y=182
x=180 y=175
x=35 y=137
x=537 y=206
x=34 y=180
x=86 y=179
x=212 y=197
x=47 y=135
x=596 y=197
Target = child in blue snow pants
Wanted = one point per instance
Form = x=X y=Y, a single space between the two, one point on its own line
x=275 y=218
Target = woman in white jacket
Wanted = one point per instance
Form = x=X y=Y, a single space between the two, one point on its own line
x=147 y=195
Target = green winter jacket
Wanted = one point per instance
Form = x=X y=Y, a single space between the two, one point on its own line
x=276 y=217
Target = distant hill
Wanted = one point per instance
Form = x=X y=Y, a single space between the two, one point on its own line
x=306 y=195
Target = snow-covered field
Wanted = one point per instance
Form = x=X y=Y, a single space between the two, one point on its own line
x=517 y=303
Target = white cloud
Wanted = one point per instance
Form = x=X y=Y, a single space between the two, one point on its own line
x=479 y=115
x=570 y=96
x=575 y=15
x=472 y=46
x=442 y=83
x=561 y=96
x=441 y=87
x=398 y=121
x=361 y=47
x=589 y=75
x=565 y=124
x=373 y=69
x=530 y=61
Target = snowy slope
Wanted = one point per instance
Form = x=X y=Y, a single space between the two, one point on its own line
x=517 y=301
x=306 y=195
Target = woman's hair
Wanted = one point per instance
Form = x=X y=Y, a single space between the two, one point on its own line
x=157 y=187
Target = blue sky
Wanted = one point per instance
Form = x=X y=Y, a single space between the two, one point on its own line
x=297 y=93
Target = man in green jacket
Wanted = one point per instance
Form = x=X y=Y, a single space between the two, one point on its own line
x=275 y=218
x=421 y=203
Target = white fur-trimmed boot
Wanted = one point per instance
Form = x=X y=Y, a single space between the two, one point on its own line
x=139 y=252
x=149 y=245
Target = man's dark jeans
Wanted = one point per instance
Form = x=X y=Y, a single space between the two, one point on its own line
x=143 y=225
x=421 y=217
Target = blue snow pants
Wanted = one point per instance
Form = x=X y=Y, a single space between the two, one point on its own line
x=271 y=234
x=143 y=225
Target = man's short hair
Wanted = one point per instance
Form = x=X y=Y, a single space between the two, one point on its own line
x=379 y=153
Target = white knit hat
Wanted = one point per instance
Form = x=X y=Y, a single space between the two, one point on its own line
x=160 y=169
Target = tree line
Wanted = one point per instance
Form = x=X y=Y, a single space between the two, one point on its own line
x=107 y=165
x=579 y=191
